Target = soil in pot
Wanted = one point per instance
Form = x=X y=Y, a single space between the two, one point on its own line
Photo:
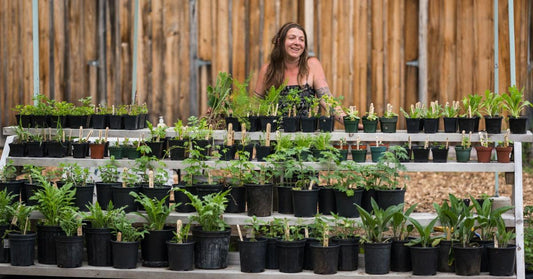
x=431 y=125
x=325 y=259
x=69 y=251
x=413 y=125
x=236 y=199
x=450 y=124
x=501 y=261
x=22 y=248
x=211 y=249
x=125 y=254
x=326 y=200
x=305 y=202
x=467 y=260
x=180 y=255
x=345 y=204
x=424 y=260
x=400 y=256
x=252 y=254
x=290 y=255
x=377 y=258
x=259 y=199
x=483 y=154
x=98 y=243
x=504 y=154
x=104 y=193
x=388 y=125
x=348 y=253
x=284 y=200
x=154 y=248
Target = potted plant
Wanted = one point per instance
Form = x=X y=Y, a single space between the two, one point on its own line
x=304 y=195
x=7 y=211
x=492 y=106
x=370 y=120
x=389 y=120
x=439 y=152
x=421 y=152
x=51 y=202
x=154 y=177
x=69 y=247
x=17 y=148
x=8 y=182
x=359 y=151
x=236 y=173
x=252 y=249
x=449 y=214
x=98 y=232
x=310 y=121
x=329 y=159
x=259 y=193
x=450 y=114
x=348 y=188
x=467 y=254
x=269 y=112
x=345 y=236
x=400 y=253
x=431 y=117
x=502 y=255
x=79 y=178
x=212 y=235
x=413 y=118
x=31 y=182
x=325 y=255
x=424 y=250
x=376 y=245
x=218 y=97
x=326 y=123
x=131 y=120
x=125 y=247
x=116 y=116
x=178 y=144
x=462 y=152
x=100 y=118
x=156 y=141
x=97 y=147
x=484 y=150
x=35 y=145
x=56 y=146
x=153 y=245
x=79 y=116
x=180 y=249
x=377 y=150
x=469 y=120
x=290 y=249
x=386 y=175
x=272 y=231
x=21 y=239
x=121 y=194
x=291 y=119
x=514 y=103
x=504 y=149
x=351 y=120
x=109 y=177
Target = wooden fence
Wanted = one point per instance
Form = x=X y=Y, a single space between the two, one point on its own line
x=86 y=49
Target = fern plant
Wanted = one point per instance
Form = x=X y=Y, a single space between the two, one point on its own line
x=209 y=209
x=70 y=221
x=100 y=218
x=156 y=210
x=53 y=201
x=6 y=208
x=124 y=225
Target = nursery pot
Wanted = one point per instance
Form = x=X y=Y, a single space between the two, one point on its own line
x=400 y=256
x=309 y=124
x=75 y=121
x=377 y=152
x=35 y=149
x=97 y=150
x=100 y=121
x=377 y=258
x=79 y=150
x=271 y=261
x=158 y=192
x=450 y=124
x=290 y=255
x=518 y=125
x=157 y=147
x=388 y=125
x=180 y=255
x=125 y=254
x=420 y=154
x=104 y=193
x=259 y=199
x=504 y=154
x=255 y=124
x=116 y=151
x=462 y=154
x=234 y=121
x=325 y=123
x=369 y=126
x=83 y=196
x=445 y=249
x=467 y=124
x=413 y=125
x=386 y=198
x=252 y=255
x=291 y=124
x=348 y=253
x=345 y=204
x=308 y=255
x=98 y=243
x=325 y=259
x=130 y=122
x=4 y=251
x=326 y=200
x=177 y=149
x=501 y=261
x=46 y=243
x=351 y=126
x=227 y=152
x=236 y=199
x=493 y=125
x=115 y=122
x=359 y=155
x=261 y=152
x=431 y=125
x=211 y=249
x=154 y=248
x=483 y=154
x=183 y=200
x=69 y=251
x=17 y=149
x=424 y=260
x=56 y=149
x=285 y=200
x=203 y=190
x=440 y=155
x=484 y=251
x=121 y=197
x=305 y=202
x=22 y=248
x=467 y=260
x=272 y=120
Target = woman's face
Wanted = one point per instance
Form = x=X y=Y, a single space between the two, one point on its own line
x=294 y=43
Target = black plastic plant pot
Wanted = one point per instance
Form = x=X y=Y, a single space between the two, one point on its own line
x=154 y=248
x=56 y=149
x=121 y=197
x=255 y=124
x=467 y=124
x=351 y=126
x=125 y=254
x=236 y=126
x=291 y=124
x=46 y=243
x=518 y=125
x=17 y=149
x=177 y=149
x=98 y=243
x=348 y=253
x=77 y=121
x=84 y=196
x=326 y=201
x=272 y=120
x=440 y=155
x=501 y=261
x=309 y=124
x=285 y=200
x=346 y=204
x=4 y=251
x=420 y=154
x=325 y=259
x=12 y=187
x=424 y=260
x=305 y=202
x=377 y=258
x=69 y=251
x=203 y=190
x=308 y=255
x=58 y=121
x=29 y=191
x=400 y=256
x=211 y=249
x=182 y=199
x=79 y=150
x=158 y=148
x=359 y=155
x=484 y=251
x=141 y=121
x=130 y=122
x=203 y=146
x=41 y=121
x=236 y=199
x=450 y=124
x=227 y=152
x=115 y=122
x=261 y=152
x=431 y=125
x=104 y=193
x=369 y=126
x=445 y=252
x=290 y=255
x=158 y=192
x=35 y=149
x=271 y=260
x=368 y=195
x=22 y=248
x=388 y=125
x=386 y=198
x=180 y=256
x=259 y=199
x=412 y=125
x=100 y=121
x=252 y=254
x=325 y=123
x=25 y=121
x=467 y=260
x=493 y=125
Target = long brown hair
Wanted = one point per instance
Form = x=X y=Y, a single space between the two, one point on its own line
x=275 y=72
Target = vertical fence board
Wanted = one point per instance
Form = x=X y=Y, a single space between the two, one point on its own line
x=360 y=60
x=394 y=51
x=255 y=54
x=182 y=110
x=239 y=32
x=158 y=61
x=144 y=66
x=205 y=29
x=483 y=48
x=110 y=42
x=125 y=51
x=170 y=58
x=465 y=53
x=26 y=49
x=59 y=51
x=269 y=27
x=44 y=46
x=377 y=55
x=411 y=54
x=327 y=42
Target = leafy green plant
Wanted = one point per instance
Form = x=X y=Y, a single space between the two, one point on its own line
x=492 y=104
x=209 y=209
x=331 y=103
x=291 y=233
x=502 y=236
x=449 y=214
x=347 y=177
x=8 y=171
x=21 y=214
x=124 y=225
x=291 y=101
x=471 y=105
x=415 y=111
x=156 y=133
x=487 y=217
x=109 y=172
x=389 y=113
x=451 y=110
x=70 y=221
x=255 y=227
x=156 y=210
x=100 y=218
x=268 y=105
x=74 y=174
x=181 y=234
x=371 y=114
x=351 y=113
x=6 y=208
x=528 y=236
x=425 y=237
x=239 y=101
x=514 y=101
x=433 y=111
x=273 y=229
x=344 y=227
x=218 y=97
x=466 y=226
x=52 y=201
x=400 y=227
x=314 y=104
x=376 y=222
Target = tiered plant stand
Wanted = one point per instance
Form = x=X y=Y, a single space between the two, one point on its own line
x=514 y=219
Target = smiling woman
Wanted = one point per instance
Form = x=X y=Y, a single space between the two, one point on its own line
x=290 y=65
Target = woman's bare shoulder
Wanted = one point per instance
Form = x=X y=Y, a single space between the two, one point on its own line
x=313 y=62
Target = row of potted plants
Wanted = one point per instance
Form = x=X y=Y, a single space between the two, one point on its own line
x=56 y=114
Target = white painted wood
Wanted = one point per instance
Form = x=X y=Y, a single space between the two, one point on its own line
x=519 y=211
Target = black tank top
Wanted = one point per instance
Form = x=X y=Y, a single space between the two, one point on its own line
x=305 y=91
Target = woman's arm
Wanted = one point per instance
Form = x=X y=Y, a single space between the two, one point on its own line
x=321 y=86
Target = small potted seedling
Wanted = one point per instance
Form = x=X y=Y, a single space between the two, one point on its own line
x=431 y=117
x=450 y=114
x=252 y=247
x=504 y=149
x=351 y=120
x=389 y=120
x=515 y=103
x=484 y=150
x=413 y=118
x=181 y=248
x=370 y=120
x=462 y=152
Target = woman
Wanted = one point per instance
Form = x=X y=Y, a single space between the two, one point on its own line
x=290 y=63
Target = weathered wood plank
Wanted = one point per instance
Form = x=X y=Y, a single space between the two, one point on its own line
x=239 y=33
x=465 y=52
x=26 y=49
x=483 y=47
x=223 y=44
x=326 y=41
x=157 y=56
x=171 y=59
x=90 y=44
x=394 y=63
x=44 y=47
x=59 y=50
x=182 y=111
x=110 y=22
x=288 y=11
x=254 y=56
x=125 y=51
x=270 y=27
x=377 y=58
x=411 y=54
x=206 y=29
x=144 y=66
x=361 y=62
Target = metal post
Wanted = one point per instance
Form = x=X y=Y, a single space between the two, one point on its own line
x=35 y=35
x=512 y=42
x=134 y=57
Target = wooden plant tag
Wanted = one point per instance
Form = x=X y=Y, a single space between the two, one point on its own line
x=240 y=233
x=69 y=135
x=229 y=134
x=151 y=179
x=80 y=133
x=358 y=142
x=447 y=143
x=49 y=133
x=325 y=243
x=119 y=237
x=88 y=135
x=409 y=142
x=80 y=231
x=63 y=136
x=426 y=144
x=175 y=178
x=125 y=170
x=306 y=232
x=268 y=129
x=106 y=133
x=179 y=225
